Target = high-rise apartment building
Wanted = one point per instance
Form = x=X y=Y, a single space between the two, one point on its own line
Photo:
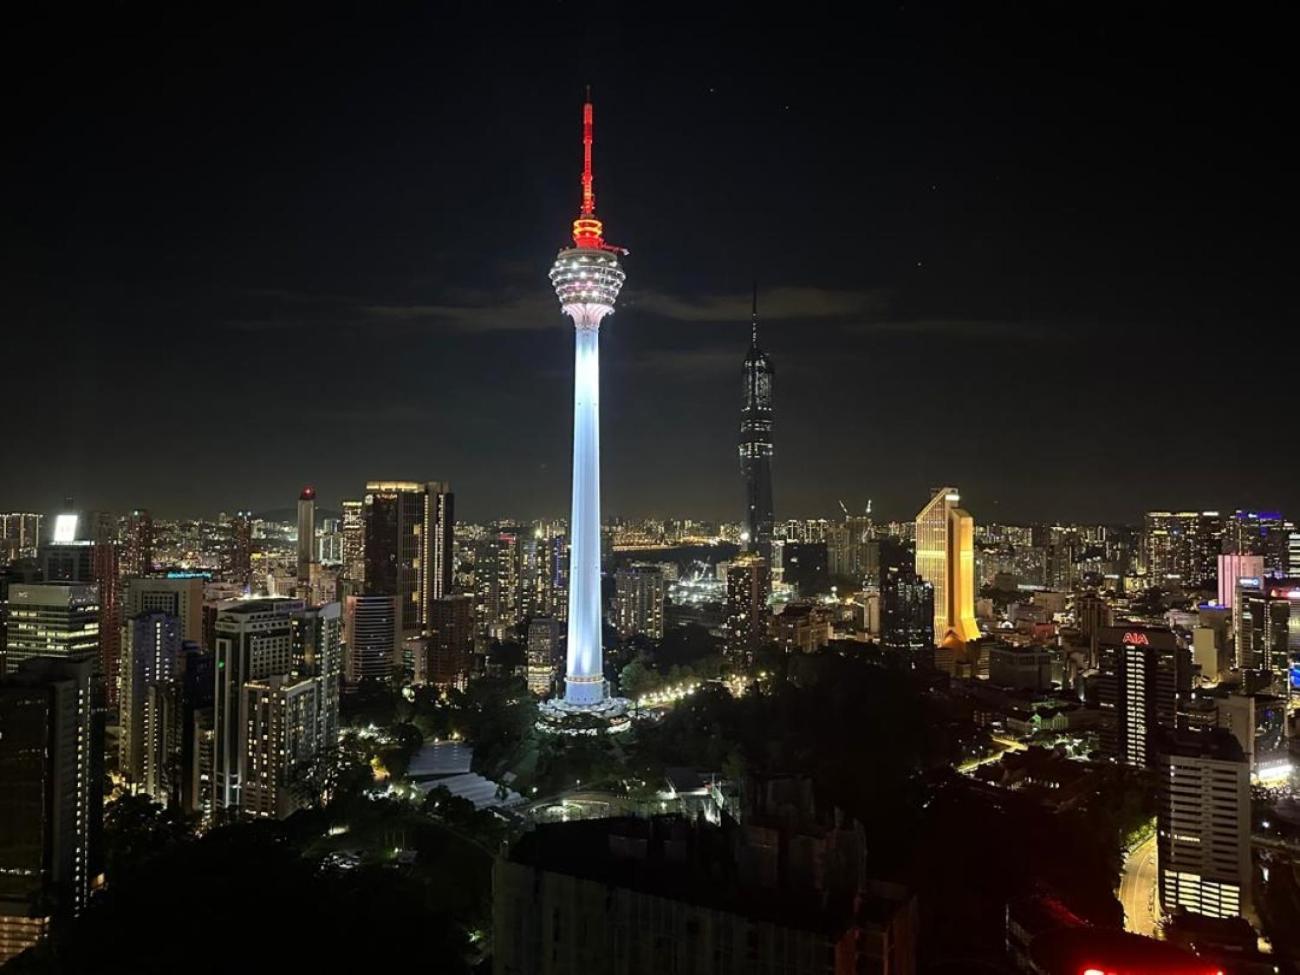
x=280 y=742
x=945 y=558
x=318 y=653
x=1146 y=674
x=756 y=447
x=639 y=601
x=749 y=584
x=1204 y=825
x=51 y=769
x=253 y=641
x=543 y=654
x=152 y=729
x=1266 y=621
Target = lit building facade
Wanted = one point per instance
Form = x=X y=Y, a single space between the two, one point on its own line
x=756 y=447
x=587 y=279
x=50 y=779
x=543 y=653
x=306 y=533
x=1145 y=674
x=408 y=549
x=354 y=540
x=20 y=535
x=372 y=636
x=639 y=601
x=52 y=620
x=1234 y=566
x=178 y=597
x=749 y=585
x=1181 y=548
x=945 y=558
x=1264 y=533
x=150 y=741
x=1203 y=825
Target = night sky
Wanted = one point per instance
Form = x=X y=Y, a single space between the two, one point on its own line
x=1048 y=256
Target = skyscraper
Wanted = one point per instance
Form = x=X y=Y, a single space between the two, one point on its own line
x=1264 y=533
x=20 y=536
x=906 y=605
x=150 y=741
x=945 y=558
x=239 y=556
x=306 y=534
x=373 y=636
x=354 y=541
x=749 y=583
x=50 y=809
x=408 y=546
x=756 y=442
x=1145 y=672
x=1182 y=548
x=587 y=279
x=138 y=557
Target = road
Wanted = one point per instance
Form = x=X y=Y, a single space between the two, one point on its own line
x=1137 y=890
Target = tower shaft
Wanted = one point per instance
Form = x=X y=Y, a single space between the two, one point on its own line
x=584 y=673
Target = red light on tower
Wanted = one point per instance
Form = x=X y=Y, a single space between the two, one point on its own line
x=588 y=231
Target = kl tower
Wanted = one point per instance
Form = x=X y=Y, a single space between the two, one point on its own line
x=587 y=279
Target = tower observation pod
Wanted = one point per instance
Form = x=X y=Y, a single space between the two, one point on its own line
x=587 y=278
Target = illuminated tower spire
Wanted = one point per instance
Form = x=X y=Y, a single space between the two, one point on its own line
x=587 y=279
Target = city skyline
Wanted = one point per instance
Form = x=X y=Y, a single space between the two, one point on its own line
x=889 y=195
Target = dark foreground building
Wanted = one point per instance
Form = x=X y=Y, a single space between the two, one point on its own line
x=666 y=894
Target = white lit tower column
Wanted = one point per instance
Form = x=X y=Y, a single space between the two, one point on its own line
x=587 y=279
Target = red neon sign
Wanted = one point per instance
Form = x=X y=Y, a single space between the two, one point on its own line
x=1137 y=639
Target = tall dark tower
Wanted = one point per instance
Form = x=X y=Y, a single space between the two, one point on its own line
x=756 y=443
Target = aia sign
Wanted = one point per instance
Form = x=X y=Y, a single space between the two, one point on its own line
x=1135 y=639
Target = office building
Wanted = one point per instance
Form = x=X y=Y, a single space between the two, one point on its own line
x=1181 y=548
x=1203 y=825
x=373 y=638
x=756 y=447
x=20 y=536
x=353 y=529
x=151 y=719
x=51 y=770
x=451 y=640
x=639 y=601
x=1145 y=675
x=906 y=605
x=306 y=534
x=181 y=597
x=543 y=654
x=408 y=546
x=1028 y=668
x=1266 y=621
x=52 y=620
x=1233 y=567
x=945 y=558
x=749 y=586
x=96 y=562
x=1263 y=533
